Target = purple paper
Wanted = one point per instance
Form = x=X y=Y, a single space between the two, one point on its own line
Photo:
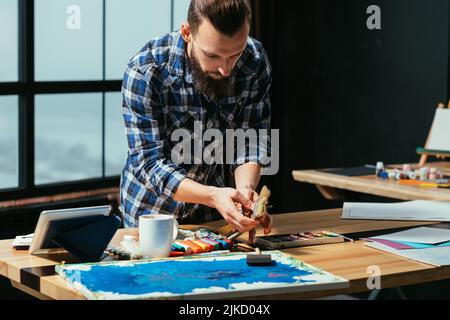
x=392 y=244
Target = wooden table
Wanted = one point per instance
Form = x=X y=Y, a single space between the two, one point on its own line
x=350 y=260
x=327 y=183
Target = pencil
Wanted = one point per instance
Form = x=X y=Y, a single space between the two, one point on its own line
x=234 y=235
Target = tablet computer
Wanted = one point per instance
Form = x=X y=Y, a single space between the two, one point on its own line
x=51 y=223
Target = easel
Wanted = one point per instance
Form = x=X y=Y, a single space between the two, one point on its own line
x=425 y=152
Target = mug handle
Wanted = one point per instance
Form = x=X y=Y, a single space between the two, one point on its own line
x=175 y=229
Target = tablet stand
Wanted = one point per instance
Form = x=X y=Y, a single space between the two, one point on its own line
x=88 y=241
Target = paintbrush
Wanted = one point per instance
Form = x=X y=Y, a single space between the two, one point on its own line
x=258 y=212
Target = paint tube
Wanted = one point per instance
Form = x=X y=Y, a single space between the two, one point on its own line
x=424 y=173
x=379 y=168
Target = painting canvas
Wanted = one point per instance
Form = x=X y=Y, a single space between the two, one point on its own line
x=440 y=131
x=196 y=277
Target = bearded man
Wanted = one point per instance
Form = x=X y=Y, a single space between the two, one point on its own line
x=211 y=72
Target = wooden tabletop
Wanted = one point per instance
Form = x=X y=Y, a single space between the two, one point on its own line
x=349 y=260
x=327 y=182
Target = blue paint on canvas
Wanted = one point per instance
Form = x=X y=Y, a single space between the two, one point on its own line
x=177 y=277
x=187 y=276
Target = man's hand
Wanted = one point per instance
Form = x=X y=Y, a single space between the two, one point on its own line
x=224 y=200
x=266 y=221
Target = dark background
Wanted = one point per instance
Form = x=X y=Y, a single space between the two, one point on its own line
x=345 y=95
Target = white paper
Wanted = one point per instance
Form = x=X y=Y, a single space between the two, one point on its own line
x=439 y=256
x=440 y=132
x=23 y=241
x=418 y=210
x=420 y=235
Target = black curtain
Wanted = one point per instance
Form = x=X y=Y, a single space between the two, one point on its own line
x=345 y=95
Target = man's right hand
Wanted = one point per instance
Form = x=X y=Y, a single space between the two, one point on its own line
x=224 y=200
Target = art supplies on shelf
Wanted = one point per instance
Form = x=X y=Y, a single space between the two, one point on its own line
x=418 y=210
x=300 y=239
x=429 y=176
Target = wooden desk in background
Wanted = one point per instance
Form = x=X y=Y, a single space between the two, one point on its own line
x=328 y=182
x=350 y=260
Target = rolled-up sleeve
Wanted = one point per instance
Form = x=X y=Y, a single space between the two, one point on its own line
x=256 y=114
x=143 y=114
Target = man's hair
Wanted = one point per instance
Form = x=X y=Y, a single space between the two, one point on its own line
x=227 y=16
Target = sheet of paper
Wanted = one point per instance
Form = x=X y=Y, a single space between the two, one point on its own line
x=440 y=132
x=392 y=244
x=23 y=241
x=418 y=210
x=405 y=245
x=439 y=256
x=415 y=245
x=419 y=235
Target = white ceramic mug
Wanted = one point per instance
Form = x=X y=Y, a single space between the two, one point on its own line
x=156 y=235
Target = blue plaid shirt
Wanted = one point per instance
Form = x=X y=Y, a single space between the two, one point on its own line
x=159 y=97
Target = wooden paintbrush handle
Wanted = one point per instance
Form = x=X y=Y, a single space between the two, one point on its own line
x=258 y=211
x=260 y=208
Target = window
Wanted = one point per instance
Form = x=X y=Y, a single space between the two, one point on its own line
x=129 y=26
x=115 y=137
x=9 y=132
x=61 y=124
x=68 y=42
x=68 y=137
x=9 y=49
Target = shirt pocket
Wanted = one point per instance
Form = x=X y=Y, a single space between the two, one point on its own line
x=183 y=117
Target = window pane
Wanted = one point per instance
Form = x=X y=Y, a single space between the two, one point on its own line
x=115 y=137
x=69 y=40
x=9 y=50
x=129 y=26
x=9 y=147
x=180 y=12
x=68 y=137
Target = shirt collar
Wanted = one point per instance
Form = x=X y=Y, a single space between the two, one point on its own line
x=178 y=64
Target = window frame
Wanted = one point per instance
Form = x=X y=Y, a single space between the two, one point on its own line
x=27 y=88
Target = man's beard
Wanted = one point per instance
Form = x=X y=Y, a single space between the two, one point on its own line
x=210 y=84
